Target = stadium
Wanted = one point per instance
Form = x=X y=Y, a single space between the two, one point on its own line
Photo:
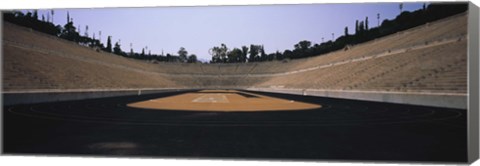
x=401 y=97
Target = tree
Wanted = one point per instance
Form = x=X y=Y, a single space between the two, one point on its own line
x=182 y=53
x=35 y=14
x=301 y=49
x=93 y=39
x=29 y=15
x=219 y=54
x=254 y=51
x=378 y=19
x=116 y=49
x=303 y=45
x=109 y=44
x=361 y=27
x=131 y=49
x=262 y=53
x=192 y=58
x=86 y=31
x=69 y=32
x=234 y=55
x=52 y=15
x=288 y=54
x=356 y=27
x=366 y=23
x=215 y=55
x=169 y=57
x=279 y=56
x=346 y=31
x=243 y=58
x=223 y=52
x=400 y=7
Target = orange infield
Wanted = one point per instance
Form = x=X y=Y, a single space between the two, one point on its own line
x=223 y=100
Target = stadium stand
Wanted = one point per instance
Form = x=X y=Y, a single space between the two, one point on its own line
x=427 y=58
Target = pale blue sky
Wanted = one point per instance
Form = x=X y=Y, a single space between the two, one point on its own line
x=277 y=27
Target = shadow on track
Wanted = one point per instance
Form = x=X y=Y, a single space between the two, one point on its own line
x=340 y=130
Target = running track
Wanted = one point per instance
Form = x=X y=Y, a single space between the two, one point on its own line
x=340 y=130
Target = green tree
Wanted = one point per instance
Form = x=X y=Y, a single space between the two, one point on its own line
x=302 y=49
x=400 y=6
x=366 y=23
x=215 y=55
x=288 y=54
x=223 y=52
x=86 y=31
x=109 y=44
x=303 y=45
x=263 y=56
x=219 y=54
x=131 y=49
x=356 y=27
x=254 y=53
x=116 y=49
x=243 y=58
x=346 y=31
x=361 y=27
x=378 y=19
x=192 y=58
x=234 y=55
x=169 y=57
x=69 y=32
x=279 y=56
x=35 y=14
x=52 y=14
x=182 y=53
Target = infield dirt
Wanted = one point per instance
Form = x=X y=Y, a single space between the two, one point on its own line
x=223 y=100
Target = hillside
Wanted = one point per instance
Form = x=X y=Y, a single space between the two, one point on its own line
x=429 y=58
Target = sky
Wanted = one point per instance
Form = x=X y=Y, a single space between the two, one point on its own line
x=277 y=27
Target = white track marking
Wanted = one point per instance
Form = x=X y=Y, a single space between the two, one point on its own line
x=211 y=98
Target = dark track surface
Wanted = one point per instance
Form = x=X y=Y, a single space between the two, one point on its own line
x=340 y=130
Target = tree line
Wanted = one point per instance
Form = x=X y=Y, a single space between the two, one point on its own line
x=71 y=33
x=253 y=53
x=363 y=33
